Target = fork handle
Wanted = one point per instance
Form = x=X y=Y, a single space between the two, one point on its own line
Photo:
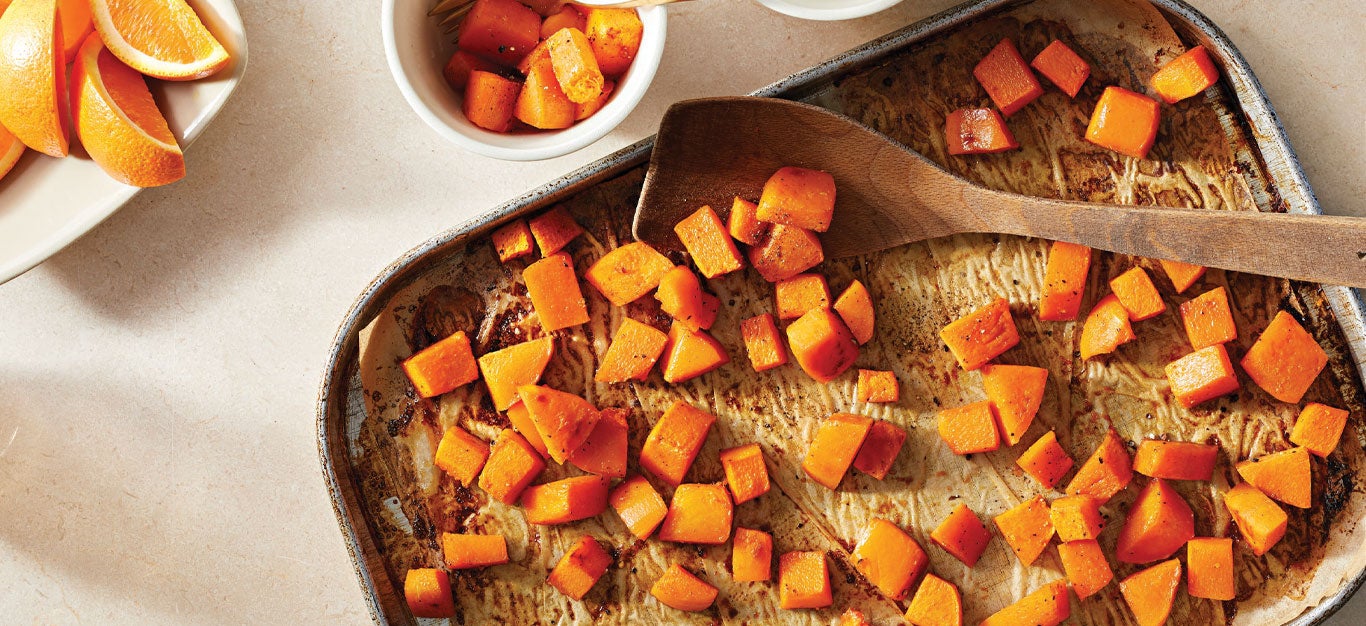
x=1312 y=248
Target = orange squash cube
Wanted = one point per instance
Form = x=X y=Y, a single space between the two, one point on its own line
x=1062 y=67
x=1208 y=319
x=502 y=31
x=833 y=449
x=1285 y=476
x=555 y=293
x=469 y=551
x=604 y=451
x=554 y=229
x=428 y=592
x=801 y=293
x=563 y=420
x=576 y=69
x=799 y=197
x=1158 y=524
x=461 y=455
x=1045 y=460
x=1076 y=518
x=580 y=568
x=616 y=35
x=442 y=366
x=512 y=465
x=1151 y=592
x=936 y=603
x=491 y=100
x=698 y=514
x=1049 y=606
x=877 y=386
x=970 y=429
x=879 y=449
x=635 y=349
x=803 y=581
x=1007 y=79
x=751 y=555
x=786 y=252
x=588 y=109
x=981 y=335
x=855 y=307
x=1106 y=328
x=822 y=344
x=628 y=273
x=1209 y=568
x=1086 y=567
x=1106 y=472
x=709 y=244
x=1182 y=275
x=1125 y=122
x=690 y=354
x=507 y=369
x=852 y=617
x=1202 y=375
x=639 y=506
x=890 y=559
x=542 y=103
x=1027 y=528
x=461 y=64
x=1186 y=76
x=1064 y=281
x=1285 y=359
x=763 y=343
x=513 y=241
x=1138 y=295
x=680 y=589
x=521 y=422
x=674 y=442
x=1260 y=521
x=1319 y=428
x=746 y=474
x=1176 y=460
x=744 y=224
x=1015 y=392
x=567 y=17
x=977 y=131
x=680 y=295
x=566 y=500
x=962 y=535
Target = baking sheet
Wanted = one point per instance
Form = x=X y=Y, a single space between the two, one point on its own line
x=918 y=289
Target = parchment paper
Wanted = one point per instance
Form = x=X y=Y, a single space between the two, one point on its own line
x=917 y=289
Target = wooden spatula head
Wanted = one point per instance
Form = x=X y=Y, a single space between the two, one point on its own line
x=710 y=151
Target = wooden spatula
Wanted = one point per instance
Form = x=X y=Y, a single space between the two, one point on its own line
x=709 y=151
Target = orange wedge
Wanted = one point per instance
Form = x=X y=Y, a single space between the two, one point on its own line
x=118 y=122
x=161 y=38
x=32 y=76
x=76 y=25
x=10 y=146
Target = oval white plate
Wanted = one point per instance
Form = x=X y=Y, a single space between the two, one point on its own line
x=828 y=10
x=47 y=203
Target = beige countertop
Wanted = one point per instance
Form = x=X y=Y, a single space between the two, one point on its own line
x=157 y=379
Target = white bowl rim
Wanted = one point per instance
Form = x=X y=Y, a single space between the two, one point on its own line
x=546 y=144
x=862 y=9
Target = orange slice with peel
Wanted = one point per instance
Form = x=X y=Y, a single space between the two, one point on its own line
x=10 y=149
x=160 y=38
x=76 y=25
x=33 y=76
x=118 y=122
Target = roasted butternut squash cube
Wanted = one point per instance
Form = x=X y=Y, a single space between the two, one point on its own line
x=554 y=229
x=744 y=224
x=879 y=449
x=689 y=354
x=1138 y=295
x=855 y=306
x=1202 y=375
x=1106 y=328
x=1049 y=606
x=799 y=197
x=1209 y=568
x=507 y=369
x=833 y=449
x=801 y=293
x=977 y=131
x=680 y=589
x=627 y=273
x=1062 y=67
x=461 y=455
x=1151 y=592
x=1106 y=472
x=698 y=514
x=635 y=349
x=502 y=31
x=674 y=442
x=890 y=559
x=580 y=568
x=1015 y=392
x=1125 y=122
x=963 y=535
x=936 y=603
x=1046 y=460
x=639 y=506
x=1064 y=281
x=512 y=465
x=786 y=252
x=763 y=343
x=1086 y=567
x=442 y=366
x=1176 y=460
x=1208 y=319
x=1260 y=521
x=877 y=386
x=1007 y=79
x=563 y=420
x=1285 y=359
x=566 y=500
x=1076 y=518
x=1285 y=476
x=1027 y=528
x=981 y=335
x=1319 y=428
x=751 y=555
x=465 y=551
x=513 y=241
x=803 y=581
x=428 y=591
x=746 y=473
x=822 y=344
x=555 y=293
x=709 y=244
x=604 y=451
x=680 y=295
x=1186 y=76
x=1158 y=524
x=970 y=429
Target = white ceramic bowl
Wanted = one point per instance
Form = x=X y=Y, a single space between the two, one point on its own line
x=828 y=10
x=418 y=50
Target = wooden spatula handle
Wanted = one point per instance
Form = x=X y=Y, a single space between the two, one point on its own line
x=1312 y=248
